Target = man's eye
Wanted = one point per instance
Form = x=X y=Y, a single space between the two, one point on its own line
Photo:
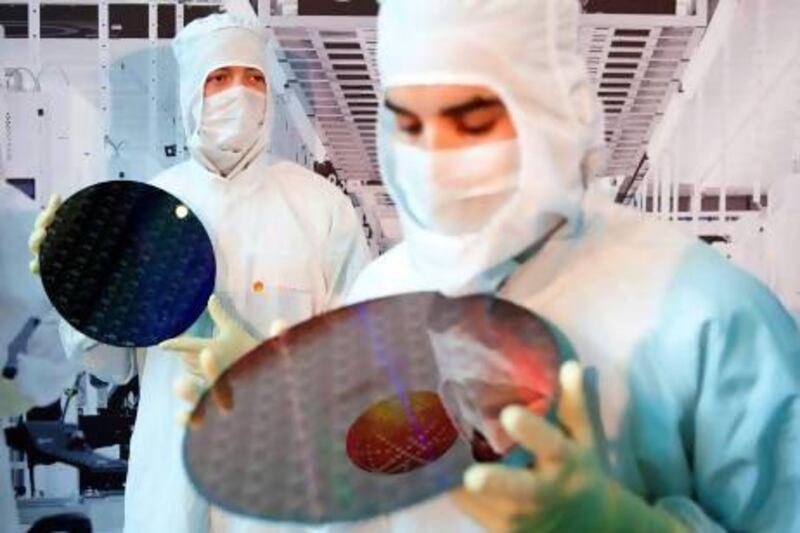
x=416 y=129
x=476 y=129
x=480 y=121
x=409 y=126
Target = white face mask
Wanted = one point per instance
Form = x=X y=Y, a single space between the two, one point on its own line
x=457 y=191
x=230 y=126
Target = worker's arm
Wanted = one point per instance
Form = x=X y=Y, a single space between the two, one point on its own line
x=109 y=363
x=347 y=252
x=746 y=419
x=724 y=371
x=42 y=370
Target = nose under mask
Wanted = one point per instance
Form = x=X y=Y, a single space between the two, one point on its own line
x=457 y=191
x=231 y=123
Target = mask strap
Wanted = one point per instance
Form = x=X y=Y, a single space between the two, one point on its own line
x=526 y=254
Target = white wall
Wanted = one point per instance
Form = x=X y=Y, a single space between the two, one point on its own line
x=736 y=129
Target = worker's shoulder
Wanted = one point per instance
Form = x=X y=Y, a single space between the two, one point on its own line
x=305 y=182
x=626 y=227
x=389 y=274
x=696 y=283
x=708 y=281
x=688 y=274
x=620 y=243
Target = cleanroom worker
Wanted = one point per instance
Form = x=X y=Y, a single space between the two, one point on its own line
x=287 y=245
x=33 y=368
x=487 y=140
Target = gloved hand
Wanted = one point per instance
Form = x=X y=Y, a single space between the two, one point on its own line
x=567 y=489
x=206 y=359
x=39 y=232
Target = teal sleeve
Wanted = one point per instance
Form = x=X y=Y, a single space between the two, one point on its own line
x=744 y=441
x=690 y=514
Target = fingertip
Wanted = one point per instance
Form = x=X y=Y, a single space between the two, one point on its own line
x=215 y=304
x=47 y=216
x=570 y=375
x=35 y=240
x=196 y=420
x=218 y=314
x=475 y=478
x=171 y=345
x=277 y=328
x=33 y=266
x=511 y=416
x=179 y=388
x=183 y=418
x=41 y=216
x=223 y=398
x=178 y=385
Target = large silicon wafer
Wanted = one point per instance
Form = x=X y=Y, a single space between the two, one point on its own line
x=340 y=418
x=127 y=264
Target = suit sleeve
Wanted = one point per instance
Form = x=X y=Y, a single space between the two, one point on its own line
x=109 y=363
x=745 y=448
x=347 y=252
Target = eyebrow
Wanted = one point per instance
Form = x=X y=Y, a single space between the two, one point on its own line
x=397 y=109
x=453 y=111
x=471 y=105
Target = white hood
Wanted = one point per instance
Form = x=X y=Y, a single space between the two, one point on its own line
x=220 y=40
x=527 y=52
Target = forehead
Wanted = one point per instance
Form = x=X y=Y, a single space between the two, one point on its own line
x=431 y=99
x=236 y=68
